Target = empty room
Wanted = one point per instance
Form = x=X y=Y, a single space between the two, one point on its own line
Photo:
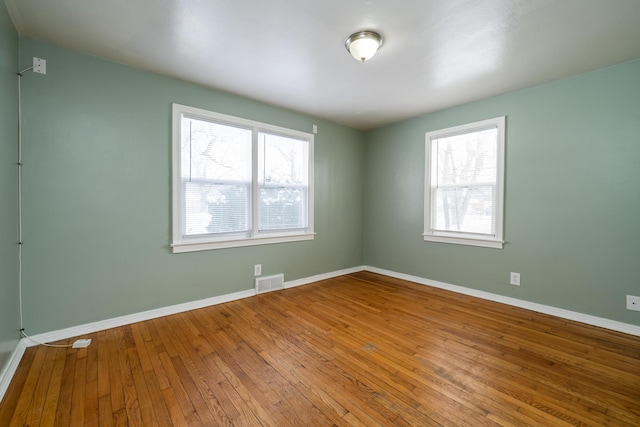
x=320 y=213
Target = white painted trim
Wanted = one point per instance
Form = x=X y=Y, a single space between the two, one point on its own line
x=186 y=246
x=469 y=241
x=318 y=277
x=115 y=322
x=540 y=308
x=14 y=361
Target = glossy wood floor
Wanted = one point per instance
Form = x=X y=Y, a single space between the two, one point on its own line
x=362 y=350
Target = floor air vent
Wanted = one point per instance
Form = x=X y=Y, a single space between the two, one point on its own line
x=269 y=283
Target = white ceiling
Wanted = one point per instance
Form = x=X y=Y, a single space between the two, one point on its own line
x=290 y=53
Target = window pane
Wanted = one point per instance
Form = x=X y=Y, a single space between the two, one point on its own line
x=283 y=179
x=282 y=208
x=215 y=151
x=465 y=209
x=216 y=208
x=216 y=176
x=466 y=176
x=468 y=158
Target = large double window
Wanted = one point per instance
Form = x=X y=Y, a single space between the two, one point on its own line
x=464 y=184
x=237 y=182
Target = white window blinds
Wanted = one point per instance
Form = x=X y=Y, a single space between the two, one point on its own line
x=216 y=177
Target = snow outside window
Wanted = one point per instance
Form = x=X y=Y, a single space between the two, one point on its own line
x=238 y=182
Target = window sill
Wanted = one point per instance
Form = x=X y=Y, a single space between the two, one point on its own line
x=238 y=242
x=486 y=243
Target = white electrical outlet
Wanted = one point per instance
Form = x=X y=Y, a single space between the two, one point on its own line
x=257 y=269
x=315 y=128
x=39 y=65
x=633 y=303
x=514 y=279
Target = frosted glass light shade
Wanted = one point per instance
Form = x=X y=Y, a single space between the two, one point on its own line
x=363 y=45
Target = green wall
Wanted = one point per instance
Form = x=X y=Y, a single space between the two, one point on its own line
x=97 y=195
x=572 y=221
x=9 y=314
x=97 y=188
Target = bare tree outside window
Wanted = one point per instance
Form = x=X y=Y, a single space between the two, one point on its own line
x=464 y=184
x=282 y=175
x=216 y=172
x=238 y=182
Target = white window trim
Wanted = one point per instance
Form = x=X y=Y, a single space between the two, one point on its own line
x=180 y=244
x=489 y=241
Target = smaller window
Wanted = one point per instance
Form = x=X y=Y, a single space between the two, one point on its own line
x=464 y=184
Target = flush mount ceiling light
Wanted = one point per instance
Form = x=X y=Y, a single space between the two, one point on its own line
x=363 y=44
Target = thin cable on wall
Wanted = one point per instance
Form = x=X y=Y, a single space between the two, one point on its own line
x=20 y=74
x=20 y=235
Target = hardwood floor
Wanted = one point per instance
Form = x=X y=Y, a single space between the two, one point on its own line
x=361 y=350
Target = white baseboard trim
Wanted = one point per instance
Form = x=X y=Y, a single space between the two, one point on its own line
x=7 y=375
x=115 y=322
x=541 y=308
x=318 y=277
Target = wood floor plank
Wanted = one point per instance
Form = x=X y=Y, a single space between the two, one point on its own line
x=207 y=378
x=79 y=396
x=53 y=392
x=173 y=408
x=194 y=375
x=131 y=402
x=178 y=393
x=141 y=349
x=63 y=409
x=115 y=390
x=40 y=393
x=91 y=406
x=162 y=416
x=22 y=408
x=147 y=413
x=356 y=350
x=105 y=412
x=103 y=364
x=12 y=396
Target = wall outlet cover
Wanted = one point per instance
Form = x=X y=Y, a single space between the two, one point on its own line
x=39 y=65
x=633 y=303
x=514 y=279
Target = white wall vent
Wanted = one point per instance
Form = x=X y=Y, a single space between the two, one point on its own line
x=269 y=283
